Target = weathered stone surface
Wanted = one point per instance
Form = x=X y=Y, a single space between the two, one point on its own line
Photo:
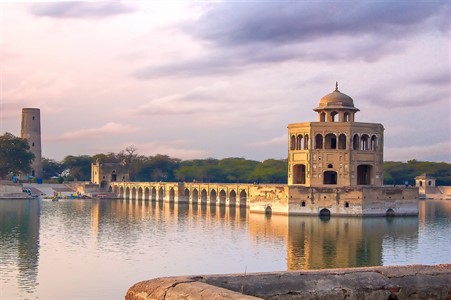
x=397 y=282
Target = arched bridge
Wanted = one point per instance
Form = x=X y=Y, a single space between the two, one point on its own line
x=197 y=193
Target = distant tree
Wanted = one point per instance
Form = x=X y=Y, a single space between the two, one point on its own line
x=51 y=168
x=15 y=156
x=271 y=171
x=77 y=167
x=396 y=172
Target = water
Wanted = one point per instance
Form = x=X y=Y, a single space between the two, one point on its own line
x=97 y=249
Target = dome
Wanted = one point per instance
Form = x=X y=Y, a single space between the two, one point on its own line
x=335 y=100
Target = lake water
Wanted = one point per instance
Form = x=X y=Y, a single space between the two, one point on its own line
x=97 y=249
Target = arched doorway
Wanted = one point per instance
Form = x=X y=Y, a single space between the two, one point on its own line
x=161 y=194
x=222 y=197
x=324 y=212
x=232 y=198
x=171 y=195
x=364 y=174
x=186 y=195
x=268 y=210
x=146 y=194
x=299 y=174
x=213 y=197
x=390 y=212
x=243 y=198
x=140 y=194
x=195 y=196
x=154 y=194
x=203 y=196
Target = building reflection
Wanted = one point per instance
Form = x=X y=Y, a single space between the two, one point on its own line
x=315 y=243
x=311 y=242
x=19 y=241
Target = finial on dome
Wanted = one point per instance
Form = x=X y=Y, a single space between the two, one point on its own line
x=336 y=86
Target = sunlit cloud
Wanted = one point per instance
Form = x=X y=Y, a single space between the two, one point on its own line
x=106 y=130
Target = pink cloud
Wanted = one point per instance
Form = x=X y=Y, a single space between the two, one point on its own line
x=108 y=129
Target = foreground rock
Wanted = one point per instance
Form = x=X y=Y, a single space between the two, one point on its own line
x=396 y=282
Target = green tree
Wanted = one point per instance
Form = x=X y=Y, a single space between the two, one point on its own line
x=77 y=167
x=15 y=156
x=50 y=168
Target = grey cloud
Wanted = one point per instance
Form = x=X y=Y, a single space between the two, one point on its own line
x=240 y=34
x=232 y=23
x=88 y=10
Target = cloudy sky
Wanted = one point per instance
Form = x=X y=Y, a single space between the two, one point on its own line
x=224 y=78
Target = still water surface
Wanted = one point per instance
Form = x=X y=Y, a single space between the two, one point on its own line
x=96 y=249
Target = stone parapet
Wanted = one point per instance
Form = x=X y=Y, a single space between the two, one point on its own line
x=394 y=282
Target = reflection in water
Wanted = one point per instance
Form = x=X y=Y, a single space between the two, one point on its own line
x=99 y=244
x=19 y=243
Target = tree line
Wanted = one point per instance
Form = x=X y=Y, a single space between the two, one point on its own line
x=15 y=158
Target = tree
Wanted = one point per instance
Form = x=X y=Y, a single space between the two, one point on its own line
x=51 y=168
x=15 y=156
x=77 y=167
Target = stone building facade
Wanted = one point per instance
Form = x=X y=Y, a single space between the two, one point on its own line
x=104 y=174
x=335 y=167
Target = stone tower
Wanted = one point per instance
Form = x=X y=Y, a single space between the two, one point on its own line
x=31 y=130
x=336 y=151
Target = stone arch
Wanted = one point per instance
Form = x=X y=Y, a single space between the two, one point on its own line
x=243 y=198
x=330 y=177
x=140 y=194
x=160 y=194
x=299 y=174
x=346 y=117
x=195 y=196
x=322 y=117
x=171 y=195
x=324 y=212
x=213 y=196
x=355 y=142
x=268 y=210
x=333 y=116
x=364 y=174
x=203 y=196
x=154 y=194
x=110 y=189
x=330 y=141
x=127 y=193
x=222 y=197
x=186 y=195
x=373 y=144
x=306 y=142
x=232 y=198
x=342 y=141
x=299 y=142
x=390 y=212
x=133 y=193
x=293 y=142
x=146 y=194
x=121 y=192
x=364 y=142
x=103 y=184
x=319 y=141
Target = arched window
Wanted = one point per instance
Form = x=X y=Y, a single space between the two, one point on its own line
x=374 y=143
x=299 y=142
x=293 y=142
x=333 y=116
x=322 y=117
x=319 y=141
x=342 y=141
x=346 y=117
x=306 y=140
x=330 y=141
x=364 y=142
x=355 y=142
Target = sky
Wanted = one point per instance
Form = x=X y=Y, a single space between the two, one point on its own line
x=200 y=79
